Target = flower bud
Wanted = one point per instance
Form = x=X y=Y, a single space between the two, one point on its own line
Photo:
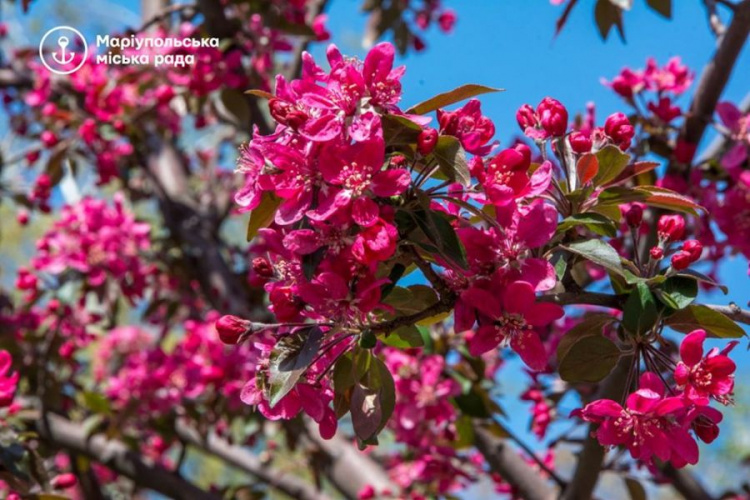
x=64 y=481
x=681 y=260
x=231 y=328
x=671 y=227
x=694 y=248
x=447 y=20
x=526 y=117
x=262 y=267
x=427 y=141
x=48 y=138
x=619 y=129
x=656 y=253
x=634 y=216
x=580 y=142
x=525 y=152
x=553 y=116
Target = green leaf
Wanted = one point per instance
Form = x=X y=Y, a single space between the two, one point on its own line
x=678 y=292
x=440 y=232
x=399 y=130
x=97 y=402
x=373 y=400
x=640 y=314
x=596 y=223
x=306 y=345
x=590 y=326
x=451 y=159
x=703 y=278
x=404 y=337
x=598 y=252
x=473 y=403
x=589 y=360
x=451 y=97
x=694 y=317
x=263 y=214
x=288 y=361
x=411 y=300
x=663 y=7
x=612 y=163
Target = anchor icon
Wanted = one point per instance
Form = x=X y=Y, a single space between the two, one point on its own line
x=63 y=42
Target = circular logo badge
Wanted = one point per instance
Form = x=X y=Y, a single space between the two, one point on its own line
x=63 y=50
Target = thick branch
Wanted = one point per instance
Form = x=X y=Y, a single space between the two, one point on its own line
x=348 y=469
x=592 y=454
x=72 y=437
x=242 y=459
x=686 y=484
x=716 y=75
x=504 y=460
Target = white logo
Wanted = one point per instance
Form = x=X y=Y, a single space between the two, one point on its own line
x=61 y=56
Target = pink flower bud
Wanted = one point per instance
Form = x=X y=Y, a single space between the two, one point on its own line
x=22 y=216
x=526 y=117
x=580 y=142
x=694 y=248
x=262 y=267
x=48 y=138
x=525 y=152
x=447 y=20
x=619 y=129
x=656 y=253
x=681 y=260
x=553 y=116
x=671 y=227
x=64 y=481
x=231 y=328
x=32 y=156
x=427 y=141
x=634 y=216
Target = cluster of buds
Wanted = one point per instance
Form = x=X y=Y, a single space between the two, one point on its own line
x=671 y=228
x=550 y=119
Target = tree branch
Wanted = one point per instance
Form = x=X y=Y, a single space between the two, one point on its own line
x=716 y=75
x=592 y=454
x=71 y=436
x=242 y=459
x=508 y=463
x=686 y=483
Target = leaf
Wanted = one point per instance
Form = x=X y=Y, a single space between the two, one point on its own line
x=399 y=130
x=587 y=168
x=664 y=198
x=635 y=489
x=451 y=158
x=304 y=355
x=440 y=232
x=694 y=317
x=263 y=214
x=451 y=97
x=289 y=359
x=612 y=163
x=591 y=325
x=411 y=300
x=678 y=292
x=560 y=23
x=235 y=108
x=404 y=337
x=589 y=360
x=598 y=252
x=373 y=401
x=96 y=402
x=54 y=166
x=607 y=15
x=640 y=314
x=260 y=93
x=663 y=7
x=597 y=223
x=703 y=278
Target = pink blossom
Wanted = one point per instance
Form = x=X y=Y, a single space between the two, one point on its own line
x=470 y=126
x=706 y=377
x=512 y=321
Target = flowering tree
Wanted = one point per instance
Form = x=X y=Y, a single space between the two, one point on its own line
x=398 y=260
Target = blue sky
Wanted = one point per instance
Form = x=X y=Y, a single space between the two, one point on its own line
x=510 y=44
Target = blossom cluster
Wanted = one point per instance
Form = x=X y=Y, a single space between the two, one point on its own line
x=656 y=424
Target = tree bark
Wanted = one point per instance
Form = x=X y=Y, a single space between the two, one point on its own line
x=63 y=433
